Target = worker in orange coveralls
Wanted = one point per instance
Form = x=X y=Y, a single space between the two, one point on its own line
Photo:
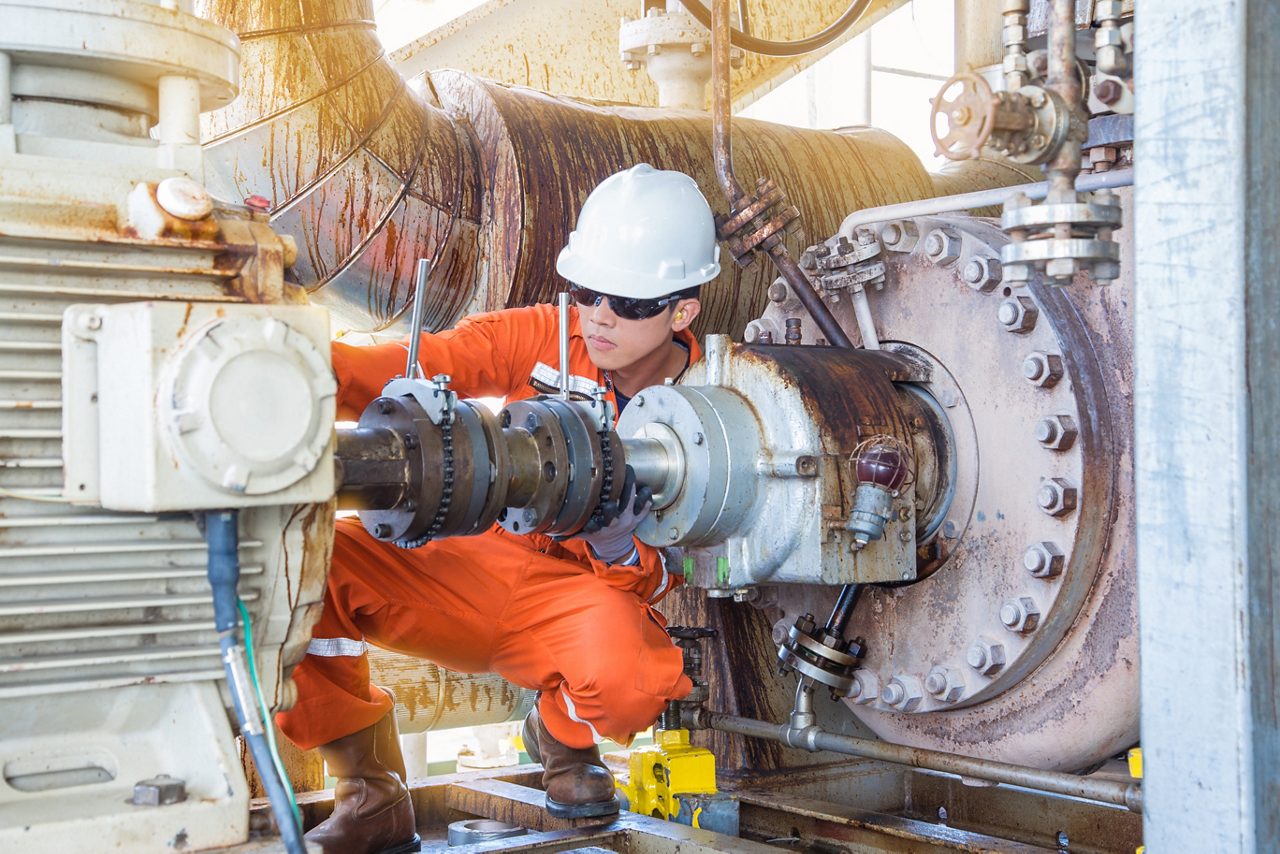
x=573 y=619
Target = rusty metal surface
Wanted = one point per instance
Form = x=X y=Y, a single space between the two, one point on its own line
x=369 y=174
x=365 y=174
x=781 y=815
x=542 y=154
x=1023 y=815
x=429 y=697
x=1067 y=695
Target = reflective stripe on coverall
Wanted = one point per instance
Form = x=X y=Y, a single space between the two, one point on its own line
x=542 y=614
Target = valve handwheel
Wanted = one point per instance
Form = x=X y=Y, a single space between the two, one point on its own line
x=969 y=106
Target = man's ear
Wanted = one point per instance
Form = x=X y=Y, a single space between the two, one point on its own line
x=686 y=311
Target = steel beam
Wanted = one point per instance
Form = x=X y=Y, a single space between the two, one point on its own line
x=1207 y=404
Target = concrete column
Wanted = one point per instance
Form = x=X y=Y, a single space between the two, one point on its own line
x=1207 y=423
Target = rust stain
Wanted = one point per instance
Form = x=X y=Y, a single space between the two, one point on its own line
x=485 y=180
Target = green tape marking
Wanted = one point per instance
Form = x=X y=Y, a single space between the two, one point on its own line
x=722 y=571
x=688 y=570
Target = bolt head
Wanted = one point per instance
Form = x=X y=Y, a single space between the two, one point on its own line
x=1057 y=432
x=1020 y=615
x=1043 y=560
x=1061 y=269
x=985 y=656
x=159 y=791
x=900 y=236
x=778 y=291
x=1056 y=497
x=942 y=246
x=982 y=274
x=1042 y=369
x=1108 y=91
x=945 y=683
x=382 y=530
x=866 y=687
x=904 y=692
x=1017 y=315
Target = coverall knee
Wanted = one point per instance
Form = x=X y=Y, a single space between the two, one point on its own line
x=489 y=603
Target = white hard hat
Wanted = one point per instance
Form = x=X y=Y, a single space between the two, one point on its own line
x=642 y=233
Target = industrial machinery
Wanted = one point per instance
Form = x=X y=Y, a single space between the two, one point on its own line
x=911 y=417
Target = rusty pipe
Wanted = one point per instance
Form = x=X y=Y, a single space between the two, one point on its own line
x=721 y=104
x=1064 y=80
x=813 y=738
x=722 y=151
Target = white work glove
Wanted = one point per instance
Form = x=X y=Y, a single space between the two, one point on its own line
x=615 y=541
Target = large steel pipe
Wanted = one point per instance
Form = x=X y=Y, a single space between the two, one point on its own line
x=485 y=180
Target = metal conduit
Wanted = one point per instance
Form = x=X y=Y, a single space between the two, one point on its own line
x=812 y=738
x=722 y=151
x=1087 y=183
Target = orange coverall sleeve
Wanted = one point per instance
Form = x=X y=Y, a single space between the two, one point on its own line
x=487 y=355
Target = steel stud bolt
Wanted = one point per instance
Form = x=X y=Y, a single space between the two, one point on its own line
x=945 y=683
x=982 y=274
x=1057 y=432
x=866 y=687
x=942 y=246
x=1042 y=369
x=903 y=692
x=1018 y=315
x=1043 y=560
x=1056 y=497
x=1020 y=615
x=985 y=656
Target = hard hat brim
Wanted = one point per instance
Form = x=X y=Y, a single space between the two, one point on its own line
x=619 y=282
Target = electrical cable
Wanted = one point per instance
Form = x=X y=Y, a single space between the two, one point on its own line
x=266 y=713
x=817 y=41
x=222 y=537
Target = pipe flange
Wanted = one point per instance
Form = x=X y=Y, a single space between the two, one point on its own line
x=548 y=466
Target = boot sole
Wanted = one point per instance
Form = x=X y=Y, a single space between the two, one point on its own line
x=591 y=810
x=413 y=845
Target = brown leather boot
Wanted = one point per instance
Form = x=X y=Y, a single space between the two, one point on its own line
x=577 y=783
x=372 y=812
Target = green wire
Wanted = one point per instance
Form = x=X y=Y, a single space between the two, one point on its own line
x=268 y=725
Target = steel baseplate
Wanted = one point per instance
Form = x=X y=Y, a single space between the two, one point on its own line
x=854 y=806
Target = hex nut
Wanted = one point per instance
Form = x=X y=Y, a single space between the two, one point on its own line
x=1042 y=369
x=1061 y=269
x=1020 y=615
x=942 y=246
x=901 y=236
x=904 y=692
x=985 y=656
x=981 y=273
x=1043 y=560
x=159 y=791
x=1057 y=432
x=1056 y=497
x=866 y=687
x=1018 y=315
x=945 y=683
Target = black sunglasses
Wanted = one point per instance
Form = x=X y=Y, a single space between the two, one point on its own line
x=628 y=308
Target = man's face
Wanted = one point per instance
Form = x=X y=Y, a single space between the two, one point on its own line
x=615 y=343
